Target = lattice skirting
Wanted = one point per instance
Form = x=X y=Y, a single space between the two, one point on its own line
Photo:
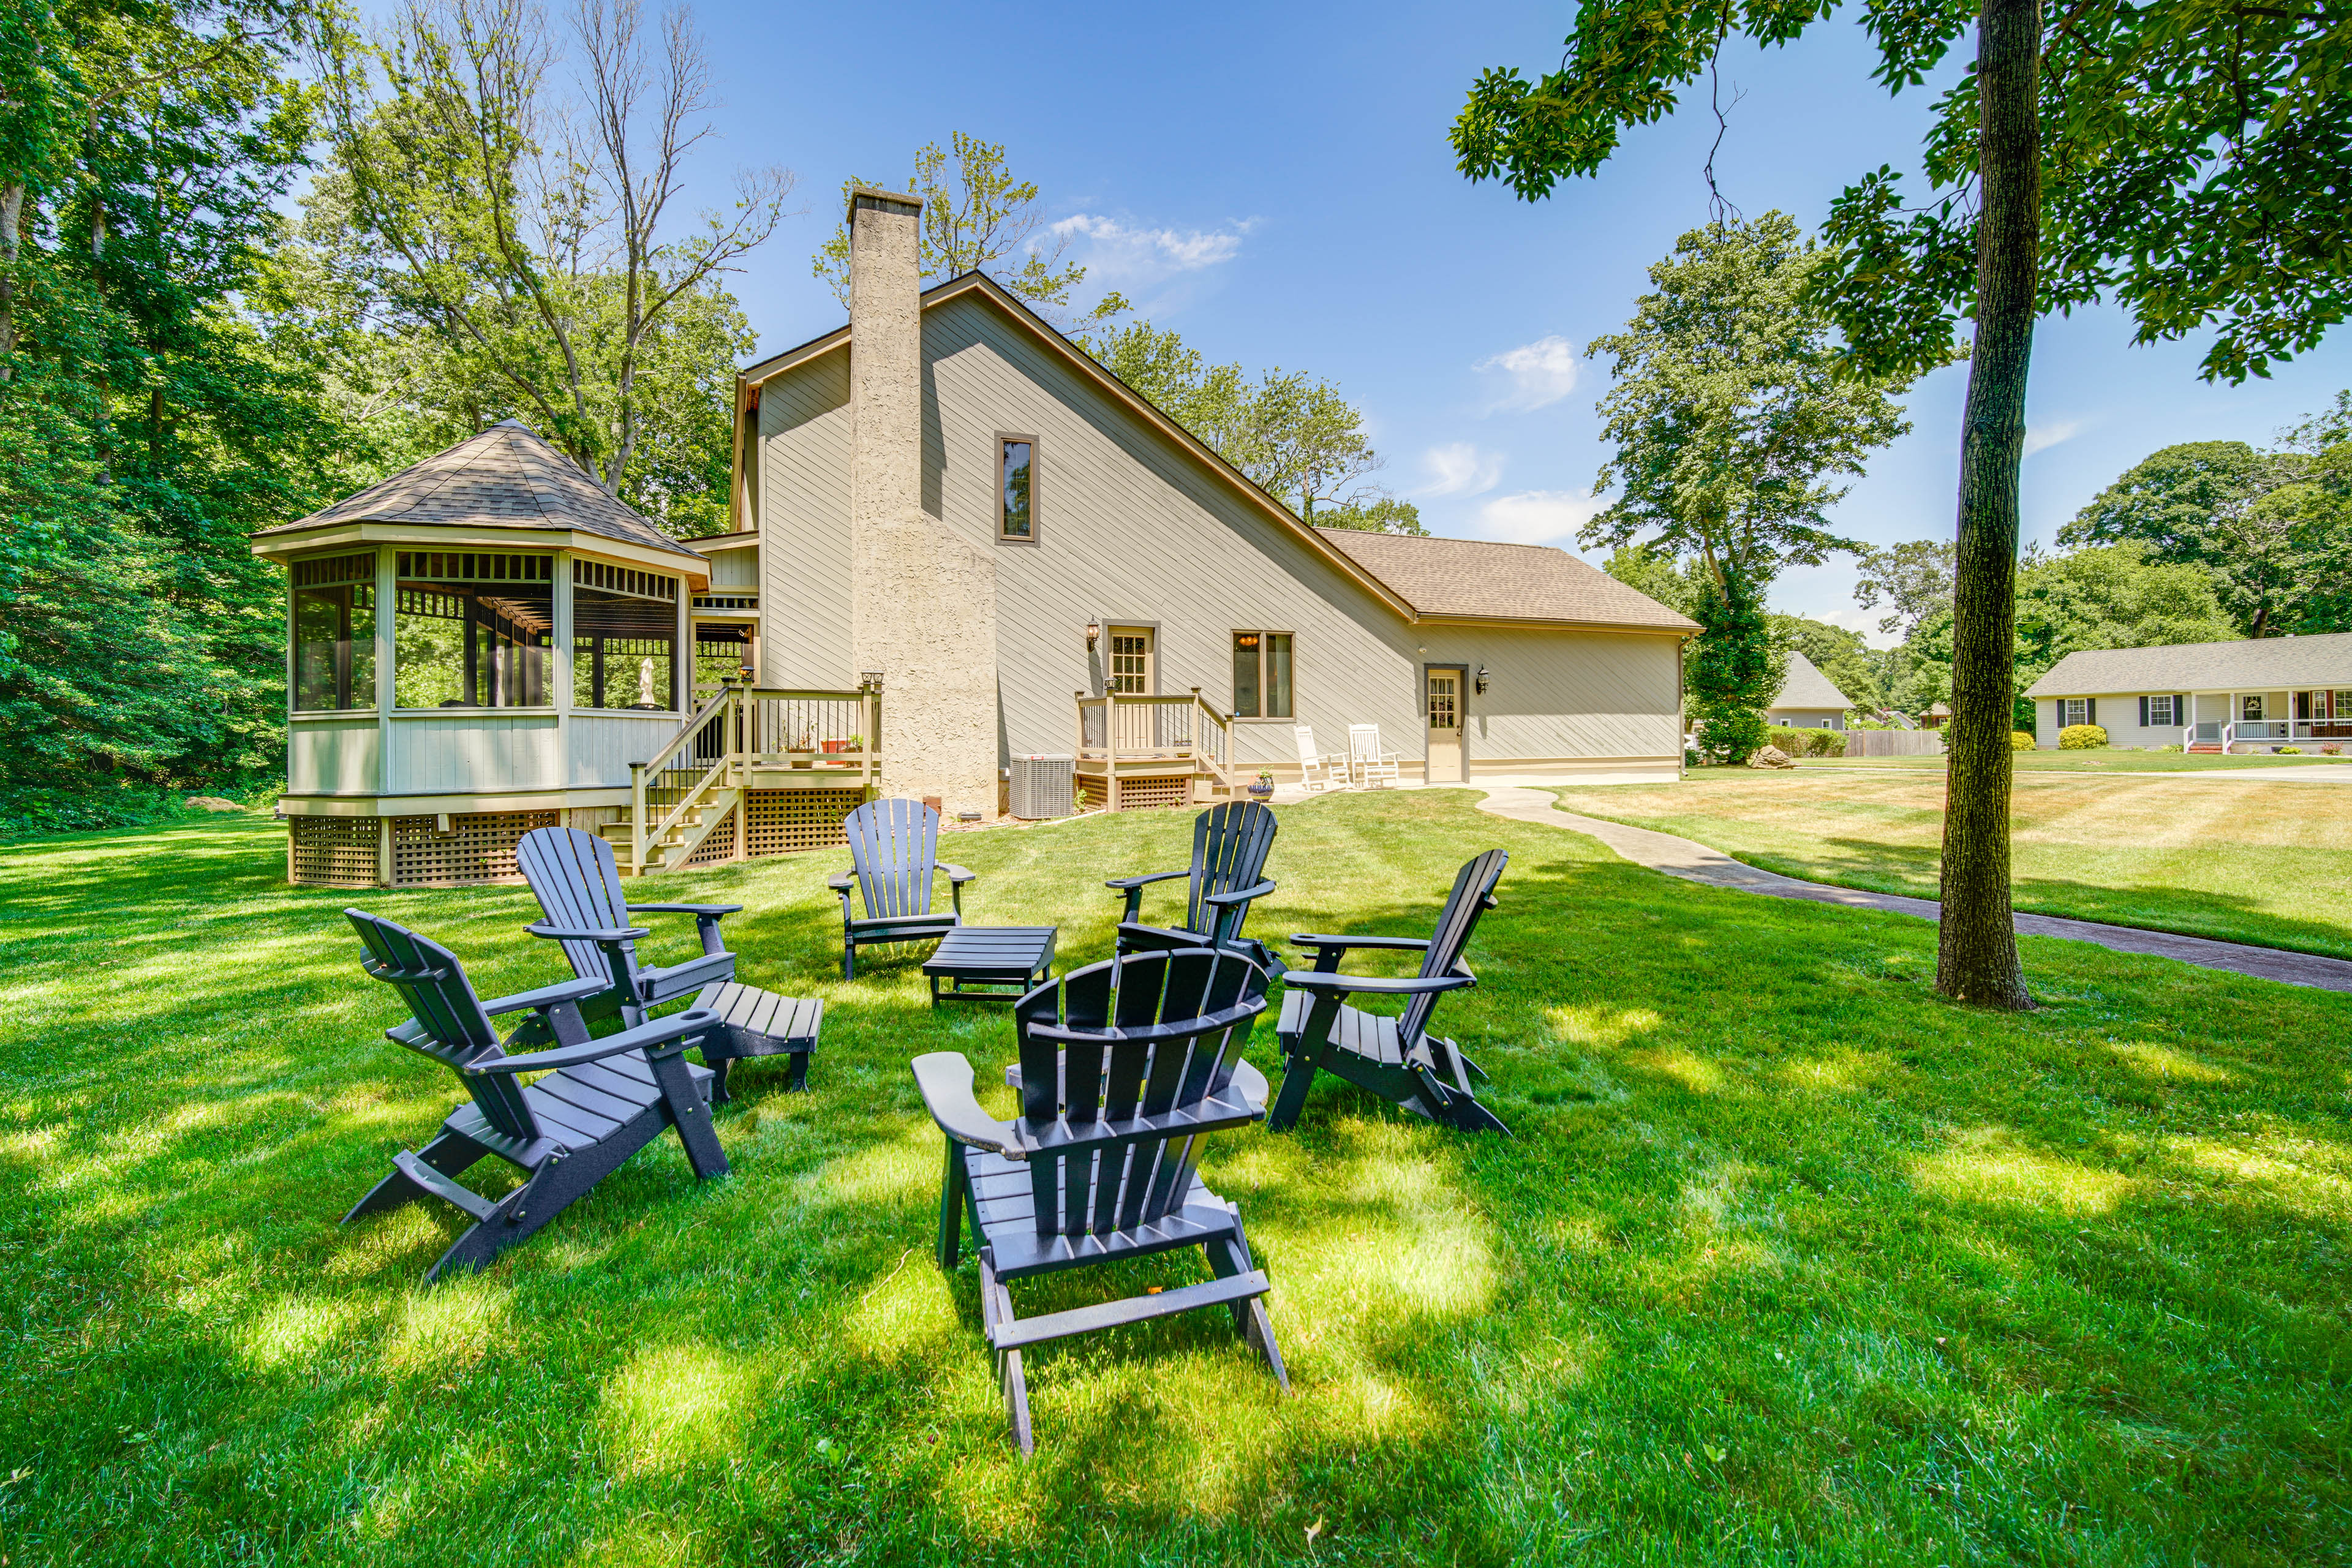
x=479 y=847
x=1136 y=793
x=789 y=821
x=1093 y=795
x=333 y=851
x=720 y=844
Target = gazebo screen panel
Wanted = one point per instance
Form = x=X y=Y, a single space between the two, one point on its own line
x=472 y=629
x=624 y=649
x=334 y=632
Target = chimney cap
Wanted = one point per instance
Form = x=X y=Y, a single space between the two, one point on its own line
x=874 y=195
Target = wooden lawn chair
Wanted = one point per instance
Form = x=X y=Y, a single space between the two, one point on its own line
x=893 y=853
x=1315 y=769
x=599 y=1101
x=1229 y=848
x=1397 y=1058
x=1126 y=1066
x=1368 y=763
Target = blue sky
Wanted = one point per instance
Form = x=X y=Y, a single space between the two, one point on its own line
x=1275 y=184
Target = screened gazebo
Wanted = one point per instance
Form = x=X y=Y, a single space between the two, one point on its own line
x=486 y=643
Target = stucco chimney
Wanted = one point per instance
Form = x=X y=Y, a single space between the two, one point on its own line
x=922 y=606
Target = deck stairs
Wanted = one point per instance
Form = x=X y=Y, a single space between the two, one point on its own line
x=707 y=805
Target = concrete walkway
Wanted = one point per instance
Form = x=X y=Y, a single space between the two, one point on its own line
x=1695 y=862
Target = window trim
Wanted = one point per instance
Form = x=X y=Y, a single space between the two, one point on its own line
x=1238 y=717
x=998 y=529
x=2066 y=702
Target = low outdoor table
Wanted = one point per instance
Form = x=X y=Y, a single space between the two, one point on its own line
x=985 y=964
x=756 y=1023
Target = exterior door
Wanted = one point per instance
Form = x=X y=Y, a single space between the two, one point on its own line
x=1131 y=672
x=1442 y=688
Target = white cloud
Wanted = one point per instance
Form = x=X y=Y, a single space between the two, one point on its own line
x=1537 y=517
x=1125 y=253
x=1459 y=468
x=1854 y=618
x=2042 y=437
x=1537 y=374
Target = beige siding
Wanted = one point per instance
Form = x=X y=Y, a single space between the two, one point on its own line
x=804 y=526
x=2119 y=717
x=603 y=745
x=333 y=756
x=734 y=569
x=1130 y=529
x=478 y=751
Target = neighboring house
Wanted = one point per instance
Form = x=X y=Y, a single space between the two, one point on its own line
x=959 y=542
x=2256 y=695
x=1938 y=714
x=1807 y=700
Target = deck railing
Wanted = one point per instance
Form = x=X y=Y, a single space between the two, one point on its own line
x=836 y=733
x=2228 y=733
x=1115 y=728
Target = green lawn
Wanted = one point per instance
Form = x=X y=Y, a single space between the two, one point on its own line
x=2100 y=761
x=1790 y=1261
x=2269 y=864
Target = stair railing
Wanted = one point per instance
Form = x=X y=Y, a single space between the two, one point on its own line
x=721 y=707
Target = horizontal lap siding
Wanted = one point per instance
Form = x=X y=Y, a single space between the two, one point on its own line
x=1130 y=527
x=1564 y=693
x=804 y=526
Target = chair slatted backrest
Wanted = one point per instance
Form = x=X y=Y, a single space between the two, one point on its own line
x=1230 y=843
x=1473 y=895
x=1171 y=1025
x=895 y=846
x=448 y=1024
x=1364 y=743
x=578 y=885
x=1308 y=757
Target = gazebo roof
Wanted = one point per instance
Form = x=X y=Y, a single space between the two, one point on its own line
x=507 y=477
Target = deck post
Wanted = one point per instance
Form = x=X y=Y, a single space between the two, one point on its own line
x=1111 y=745
x=636 y=820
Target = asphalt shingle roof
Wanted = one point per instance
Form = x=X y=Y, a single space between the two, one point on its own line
x=1501 y=582
x=507 y=477
x=1806 y=686
x=2268 y=664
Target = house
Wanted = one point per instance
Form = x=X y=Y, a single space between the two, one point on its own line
x=1807 y=700
x=956 y=542
x=2252 y=695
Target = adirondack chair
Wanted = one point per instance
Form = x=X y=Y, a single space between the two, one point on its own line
x=578 y=885
x=1315 y=769
x=1368 y=763
x=1126 y=1065
x=894 y=850
x=1229 y=849
x=599 y=1102
x=1397 y=1058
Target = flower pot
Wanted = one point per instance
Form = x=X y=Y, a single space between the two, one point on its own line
x=1261 y=791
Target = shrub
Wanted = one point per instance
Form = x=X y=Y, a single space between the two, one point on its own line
x=2331 y=751
x=2021 y=740
x=1826 y=743
x=1799 y=742
x=2082 y=738
x=2289 y=751
x=2164 y=748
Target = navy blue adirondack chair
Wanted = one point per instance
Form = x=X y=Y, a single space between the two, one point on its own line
x=598 y=1101
x=1230 y=843
x=1396 y=1057
x=578 y=885
x=1127 y=1066
x=894 y=858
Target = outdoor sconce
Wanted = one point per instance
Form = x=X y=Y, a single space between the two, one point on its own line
x=1482 y=681
x=872 y=678
x=1093 y=630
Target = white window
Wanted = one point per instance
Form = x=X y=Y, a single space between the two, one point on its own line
x=2075 y=710
x=2160 y=713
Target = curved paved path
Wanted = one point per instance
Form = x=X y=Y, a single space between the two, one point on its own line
x=1695 y=862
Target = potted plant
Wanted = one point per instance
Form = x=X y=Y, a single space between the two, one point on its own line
x=801 y=751
x=849 y=743
x=1263 y=786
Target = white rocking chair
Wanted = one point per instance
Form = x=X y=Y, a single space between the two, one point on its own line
x=1315 y=769
x=1366 y=763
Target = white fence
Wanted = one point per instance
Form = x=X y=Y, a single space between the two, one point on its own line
x=1894 y=742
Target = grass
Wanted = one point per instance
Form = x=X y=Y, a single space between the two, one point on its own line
x=1790 y=1261
x=2271 y=866
x=2098 y=762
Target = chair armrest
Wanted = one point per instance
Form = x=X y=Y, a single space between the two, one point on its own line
x=1120 y=884
x=646 y=1035
x=1375 y=985
x=1239 y=895
x=588 y=934
x=1401 y=943
x=957 y=874
x=1251 y=1082
x=944 y=1078
x=546 y=996
x=684 y=909
x=841 y=882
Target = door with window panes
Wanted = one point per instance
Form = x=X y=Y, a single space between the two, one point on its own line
x=1443 y=685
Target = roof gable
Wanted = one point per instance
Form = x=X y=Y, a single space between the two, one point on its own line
x=2263 y=664
x=1806 y=686
x=504 y=477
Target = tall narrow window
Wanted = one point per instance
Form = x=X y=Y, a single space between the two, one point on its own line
x=334 y=633
x=472 y=630
x=1262 y=675
x=1017 y=515
x=623 y=637
x=1130 y=661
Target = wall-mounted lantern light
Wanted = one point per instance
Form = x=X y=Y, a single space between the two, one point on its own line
x=1482 y=681
x=1093 y=630
x=872 y=678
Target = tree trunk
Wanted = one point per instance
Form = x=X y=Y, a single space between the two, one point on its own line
x=12 y=208
x=1977 y=949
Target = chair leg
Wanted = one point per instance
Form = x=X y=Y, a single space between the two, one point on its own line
x=452 y=1155
x=952 y=1185
x=720 y=1072
x=848 y=957
x=996 y=1307
x=1298 y=1074
x=798 y=1083
x=689 y=1114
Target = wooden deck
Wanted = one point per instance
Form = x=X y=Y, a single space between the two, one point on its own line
x=1137 y=751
